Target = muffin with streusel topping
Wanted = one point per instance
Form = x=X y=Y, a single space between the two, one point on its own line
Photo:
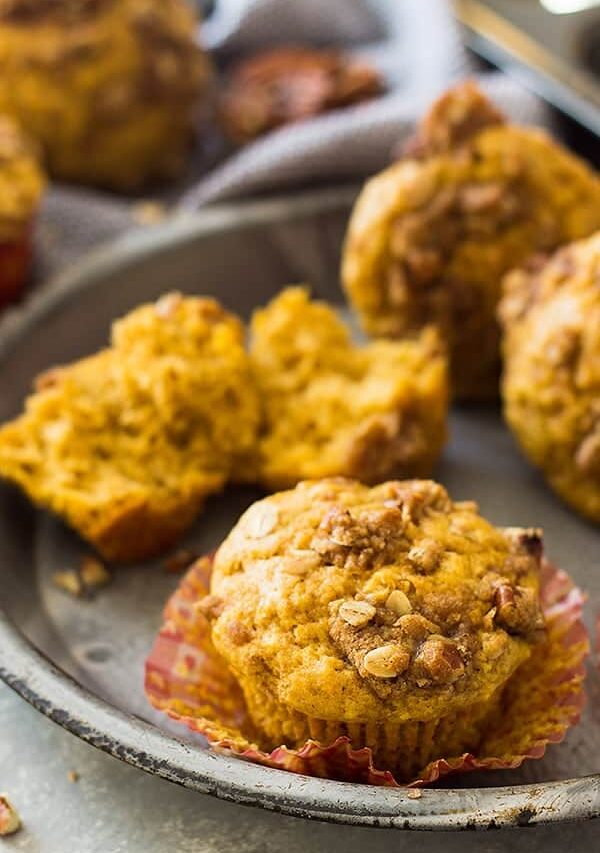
x=110 y=89
x=391 y=614
x=431 y=236
x=551 y=385
x=21 y=187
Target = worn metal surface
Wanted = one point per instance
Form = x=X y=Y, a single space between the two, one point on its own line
x=114 y=808
x=555 y=55
x=88 y=676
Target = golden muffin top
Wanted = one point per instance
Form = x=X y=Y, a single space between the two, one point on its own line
x=431 y=236
x=359 y=604
x=149 y=41
x=551 y=317
x=21 y=180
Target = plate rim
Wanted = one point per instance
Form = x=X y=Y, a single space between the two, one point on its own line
x=58 y=696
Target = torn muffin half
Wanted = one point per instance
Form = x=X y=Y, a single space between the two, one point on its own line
x=331 y=407
x=126 y=444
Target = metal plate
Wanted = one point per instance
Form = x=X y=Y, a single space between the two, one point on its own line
x=555 y=55
x=81 y=662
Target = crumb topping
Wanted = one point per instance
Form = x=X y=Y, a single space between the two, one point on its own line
x=550 y=312
x=455 y=118
x=406 y=588
x=431 y=236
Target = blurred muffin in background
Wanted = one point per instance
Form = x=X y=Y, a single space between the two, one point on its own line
x=109 y=88
x=551 y=386
x=21 y=187
x=431 y=236
x=287 y=84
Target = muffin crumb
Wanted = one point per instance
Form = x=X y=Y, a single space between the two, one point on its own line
x=10 y=822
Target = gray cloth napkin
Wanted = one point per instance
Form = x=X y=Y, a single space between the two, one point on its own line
x=416 y=45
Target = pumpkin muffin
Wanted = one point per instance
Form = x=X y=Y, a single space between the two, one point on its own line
x=551 y=385
x=391 y=614
x=21 y=187
x=109 y=88
x=126 y=444
x=333 y=408
x=431 y=236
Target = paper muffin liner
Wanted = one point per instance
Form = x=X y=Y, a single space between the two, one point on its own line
x=15 y=262
x=188 y=680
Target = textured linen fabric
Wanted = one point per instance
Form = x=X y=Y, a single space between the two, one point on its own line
x=416 y=45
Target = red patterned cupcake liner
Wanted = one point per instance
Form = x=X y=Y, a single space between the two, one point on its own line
x=15 y=263
x=187 y=679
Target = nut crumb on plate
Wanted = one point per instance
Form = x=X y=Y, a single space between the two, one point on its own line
x=10 y=822
x=94 y=574
x=69 y=581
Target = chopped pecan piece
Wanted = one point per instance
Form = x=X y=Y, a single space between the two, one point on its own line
x=528 y=540
x=439 y=661
x=426 y=555
x=453 y=120
x=288 y=84
x=517 y=610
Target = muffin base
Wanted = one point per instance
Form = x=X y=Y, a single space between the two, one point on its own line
x=189 y=681
x=405 y=748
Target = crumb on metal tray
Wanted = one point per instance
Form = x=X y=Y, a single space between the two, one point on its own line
x=69 y=581
x=414 y=793
x=91 y=575
x=148 y=212
x=10 y=821
x=73 y=776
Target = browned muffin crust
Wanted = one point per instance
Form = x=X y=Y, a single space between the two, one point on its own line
x=63 y=11
x=455 y=118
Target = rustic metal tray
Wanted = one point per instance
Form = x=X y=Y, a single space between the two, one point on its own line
x=81 y=662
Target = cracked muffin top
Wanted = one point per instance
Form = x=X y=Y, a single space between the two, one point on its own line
x=431 y=236
x=362 y=604
x=551 y=317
